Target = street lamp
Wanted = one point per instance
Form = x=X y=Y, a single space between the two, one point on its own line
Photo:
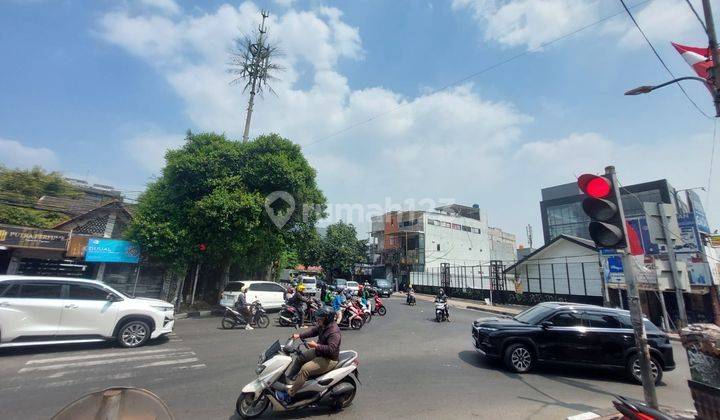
x=675 y=194
x=647 y=89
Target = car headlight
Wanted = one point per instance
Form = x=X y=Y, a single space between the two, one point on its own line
x=259 y=369
x=162 y=308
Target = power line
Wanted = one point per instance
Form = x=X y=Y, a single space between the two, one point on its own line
x=696 y=15
x=652 y=47
x=473 y=75
x=710 y=171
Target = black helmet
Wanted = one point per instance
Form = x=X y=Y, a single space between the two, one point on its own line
x=325 y=312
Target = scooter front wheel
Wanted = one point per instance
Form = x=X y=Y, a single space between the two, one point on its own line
x=263 y=321
x=356 y=323
x=382 y=311
x=249 y=408
x=228 y=323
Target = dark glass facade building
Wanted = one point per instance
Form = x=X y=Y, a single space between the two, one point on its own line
x=562 y=213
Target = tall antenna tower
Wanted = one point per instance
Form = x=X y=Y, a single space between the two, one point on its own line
x=252 y=62
x=528 y=232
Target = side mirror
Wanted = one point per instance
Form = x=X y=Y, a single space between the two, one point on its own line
x=111 y=297
x=546 y=324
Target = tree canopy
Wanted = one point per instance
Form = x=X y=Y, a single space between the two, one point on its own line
x=213 y=191
x=21 y=189
x=341 y=249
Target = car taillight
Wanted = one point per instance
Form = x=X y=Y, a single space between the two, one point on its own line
x=356 y=362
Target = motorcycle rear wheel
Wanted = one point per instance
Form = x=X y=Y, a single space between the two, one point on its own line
x=228 y=323
x=245 y=407
x=346 y=400
x=282 y=321
x=263 y=321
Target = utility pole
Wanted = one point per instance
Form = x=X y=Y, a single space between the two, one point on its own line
x=529 y=232
x=253 y=65
x=636 y=315
x=713 y=45
x=673 y=265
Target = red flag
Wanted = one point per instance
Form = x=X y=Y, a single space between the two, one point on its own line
x=633 y=240
x=698 y=58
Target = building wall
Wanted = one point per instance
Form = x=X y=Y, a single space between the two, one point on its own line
x=502 y=245
x=446 y=243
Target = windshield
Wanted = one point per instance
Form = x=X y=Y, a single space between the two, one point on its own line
x=352 y=284
x=382 y=283
x=234 y=287
x=341 y=282
x=270 y=351
x=308 y=281
x=534 y=314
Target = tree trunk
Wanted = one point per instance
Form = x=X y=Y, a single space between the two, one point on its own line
x=225 y=278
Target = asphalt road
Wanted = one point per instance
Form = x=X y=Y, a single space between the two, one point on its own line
x=410 y=367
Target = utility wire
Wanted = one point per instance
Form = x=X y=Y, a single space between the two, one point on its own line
x=712 y=158
x=696 y=15
x=652 y=47
x=473 y=75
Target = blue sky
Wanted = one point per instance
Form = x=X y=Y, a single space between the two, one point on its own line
x=100 y=89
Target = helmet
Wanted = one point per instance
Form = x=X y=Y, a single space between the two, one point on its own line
x=325 y=312
x=301 y=287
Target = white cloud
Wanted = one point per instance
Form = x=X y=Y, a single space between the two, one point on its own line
x=167 y=6
x=284 y=3
x=14 y=154
x=149 y=150
x=662 y=21
x=528 y=22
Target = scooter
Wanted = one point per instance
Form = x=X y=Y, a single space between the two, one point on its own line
x=351 y=318
x=379 y=307
x=334 y=389
x=288 y=316
x=410 y=299
x=364 y=310
x=441 y=311
x=637 y=410
x=233 y=318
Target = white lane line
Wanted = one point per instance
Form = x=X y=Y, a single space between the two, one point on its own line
x=105 y=362
x=168 y=362
x=86 y=380
x=102 y=355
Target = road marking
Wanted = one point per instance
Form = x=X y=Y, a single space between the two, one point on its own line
x=167 y=362
x=71 y=382
x=102 y=355
x=104 y=362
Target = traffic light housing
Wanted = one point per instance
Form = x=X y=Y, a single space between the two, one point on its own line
x=603 y=208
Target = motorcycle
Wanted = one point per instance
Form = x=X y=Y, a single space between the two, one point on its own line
x=288 y=316
x=364 y=310
x=410 y=299
x=351 y=318
x=334 y=389
x=637 y=410
x=441 y=310
x=379 y=307
x=233 y=318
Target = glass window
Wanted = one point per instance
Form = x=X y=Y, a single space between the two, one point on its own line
x=466 y=228
x=40 y=290
x=235 y=286
x=431 y=222
x=9 y=290
x=277 y=288
x=566 y=319
x=534 y=315
x=86 y=292
x=260 y=287
x=627 y=323
x=438 y=247
x=598 y=320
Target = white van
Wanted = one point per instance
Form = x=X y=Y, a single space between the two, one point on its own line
x=270 y=294
x=310 y=283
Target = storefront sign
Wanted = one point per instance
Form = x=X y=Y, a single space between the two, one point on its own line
x=77 y=246
x=697 y=208
x=112 y=250
x=698 y=270
x=690 y=237
x=22 y=237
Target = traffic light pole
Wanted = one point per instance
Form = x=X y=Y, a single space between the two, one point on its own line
x=633 y=293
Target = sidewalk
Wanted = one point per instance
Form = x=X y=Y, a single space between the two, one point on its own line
x=495 y=309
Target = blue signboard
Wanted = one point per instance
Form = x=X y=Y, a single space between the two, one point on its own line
x=112 y=250
x=697 y=208
x=615 y=264
x=690 y=237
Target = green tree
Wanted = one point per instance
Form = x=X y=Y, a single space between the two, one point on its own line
x=21 y=189
x=213 y=192
x=341 y=249
x=309 y=248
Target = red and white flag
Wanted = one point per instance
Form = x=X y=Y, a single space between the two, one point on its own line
x=698 y=58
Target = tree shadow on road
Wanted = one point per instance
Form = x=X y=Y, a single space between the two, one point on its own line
x=73 y=347
x=300 y=414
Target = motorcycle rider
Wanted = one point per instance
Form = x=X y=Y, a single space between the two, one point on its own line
x=299 y=302
x=337 y=305
x=322 y=356
x=442 y=297
x=410 y=294
x=242 y=306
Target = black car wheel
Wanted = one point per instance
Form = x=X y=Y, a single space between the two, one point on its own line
x=134 y=334
x=634 y=371
x=519 y=358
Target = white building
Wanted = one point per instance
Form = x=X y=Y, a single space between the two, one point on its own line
x=456 y=235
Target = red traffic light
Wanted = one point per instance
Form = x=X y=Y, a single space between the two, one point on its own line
x=202 y=247
x=594 y=186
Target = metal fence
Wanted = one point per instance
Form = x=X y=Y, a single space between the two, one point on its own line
x=527 y=284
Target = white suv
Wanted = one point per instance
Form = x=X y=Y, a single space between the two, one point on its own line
x=57 y=310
